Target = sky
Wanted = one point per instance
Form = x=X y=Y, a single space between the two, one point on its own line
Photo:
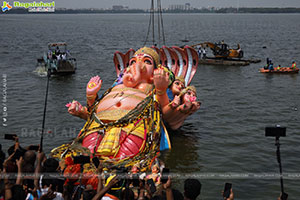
x=144 y=4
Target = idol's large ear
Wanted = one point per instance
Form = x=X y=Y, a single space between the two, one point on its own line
x=119 y=62
x=128 y=55
x=159 y=53
x=192 y=63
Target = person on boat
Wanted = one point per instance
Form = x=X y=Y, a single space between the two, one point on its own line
x=278 y=68
x=58 y=57
x=199 y=52
x=49 y=54
x=53 y=55
x=271 y=68
x=204 y=53
x=64 y=56
x=294 y=65
x=267 y=64
x=57 y=51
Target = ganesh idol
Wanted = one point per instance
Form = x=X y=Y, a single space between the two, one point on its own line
x=125 y=121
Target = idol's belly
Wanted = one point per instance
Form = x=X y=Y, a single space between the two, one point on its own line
x=118 y=103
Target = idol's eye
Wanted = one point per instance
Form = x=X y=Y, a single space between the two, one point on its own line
x=189 y=93
x=132 y=62
x=177 y=83
x=149 y=62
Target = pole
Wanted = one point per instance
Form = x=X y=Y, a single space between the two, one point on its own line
x=45 y=108
x=158 y=21
x=279 y=162
x=152 y=14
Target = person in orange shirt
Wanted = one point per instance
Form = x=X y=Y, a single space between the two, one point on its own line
x=294 y=65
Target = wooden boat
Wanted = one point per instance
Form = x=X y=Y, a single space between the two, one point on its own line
x=282 y=70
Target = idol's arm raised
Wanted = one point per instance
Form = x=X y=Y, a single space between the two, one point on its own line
x=92 y=89
x=161 y=81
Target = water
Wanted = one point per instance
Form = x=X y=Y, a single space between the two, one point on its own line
x=225 y=136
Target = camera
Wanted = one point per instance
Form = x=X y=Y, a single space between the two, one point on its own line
x=275 y=131
x=165 y=174
x=10 y=136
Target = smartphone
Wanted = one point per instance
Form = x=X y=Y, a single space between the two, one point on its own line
x=284 y=196
x=10 y=136
x=34 y=147
x=151 y=183
x=165 y=174
x=135 y=180
x=227 y=189
x=81 y=159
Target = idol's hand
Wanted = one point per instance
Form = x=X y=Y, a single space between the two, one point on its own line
x=93 y=86
x=195 y=106
x=161 y=80
x=176 y=102
x=75 y=108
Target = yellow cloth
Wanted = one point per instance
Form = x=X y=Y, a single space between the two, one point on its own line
x=110 y=143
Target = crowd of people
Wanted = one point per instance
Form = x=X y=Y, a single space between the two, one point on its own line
x=57 y=54
x=28 y=174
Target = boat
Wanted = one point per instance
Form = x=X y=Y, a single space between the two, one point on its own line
x=58 y=59
x=282 y=70
x=222 y=50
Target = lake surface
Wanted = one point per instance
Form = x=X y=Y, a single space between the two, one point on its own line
x=223 y=142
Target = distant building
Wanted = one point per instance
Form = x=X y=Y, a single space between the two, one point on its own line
x=176 y=7
x=118 y=7
x=186 y=6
